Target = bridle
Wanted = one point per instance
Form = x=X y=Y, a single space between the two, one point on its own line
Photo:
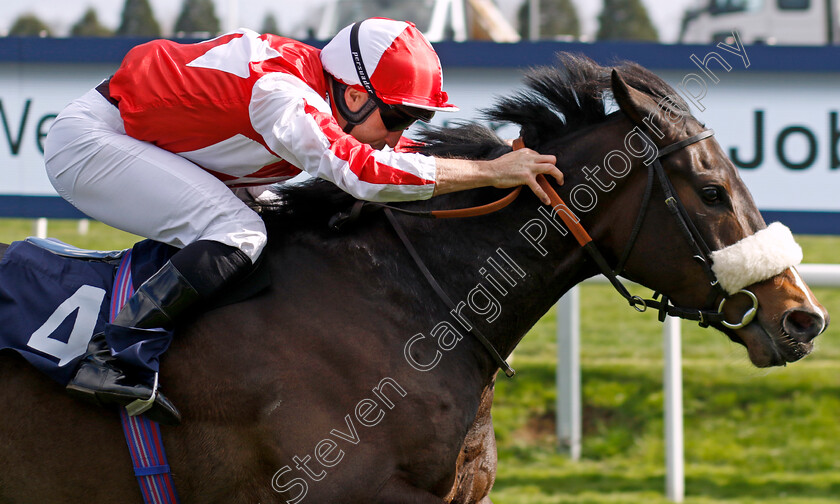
x=701 y=251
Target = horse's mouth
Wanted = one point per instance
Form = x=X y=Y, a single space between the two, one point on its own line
x=788 y=348
x=768 y=349
x=783 y=348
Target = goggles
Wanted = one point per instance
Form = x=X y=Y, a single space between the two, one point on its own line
x=400 y=117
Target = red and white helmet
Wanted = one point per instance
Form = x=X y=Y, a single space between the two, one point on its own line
x=399 y=64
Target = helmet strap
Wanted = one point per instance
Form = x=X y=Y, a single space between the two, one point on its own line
x=352 y=118
x=359 y=65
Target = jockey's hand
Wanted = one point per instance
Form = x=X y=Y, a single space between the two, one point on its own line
x=521 y=167
x=516 y=168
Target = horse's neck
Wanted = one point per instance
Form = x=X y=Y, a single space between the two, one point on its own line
x=509 y=268
x=496 y=275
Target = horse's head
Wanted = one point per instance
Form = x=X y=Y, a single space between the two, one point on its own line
x=715 y=253
x=665 y=205
x=659 y=202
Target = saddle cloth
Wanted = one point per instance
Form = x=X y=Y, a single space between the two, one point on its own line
x=54 y=297
x=51 y=305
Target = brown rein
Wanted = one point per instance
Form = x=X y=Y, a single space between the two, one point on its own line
x=477 y=211
x=483 y=209
x=557 y=203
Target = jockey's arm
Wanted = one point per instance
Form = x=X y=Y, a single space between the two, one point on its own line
x=519 y=167
x=306 y=134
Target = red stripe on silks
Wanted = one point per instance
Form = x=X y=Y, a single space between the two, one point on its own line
x=360 y=156
x=161 y=97
x=406 y=144
x=224 y=177
x=281 y=168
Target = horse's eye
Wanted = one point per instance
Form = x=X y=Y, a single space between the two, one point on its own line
x=712 y=194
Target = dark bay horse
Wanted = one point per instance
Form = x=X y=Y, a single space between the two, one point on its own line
x=350 y=381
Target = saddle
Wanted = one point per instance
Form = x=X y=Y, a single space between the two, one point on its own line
x=54 y=297
x=62 y=249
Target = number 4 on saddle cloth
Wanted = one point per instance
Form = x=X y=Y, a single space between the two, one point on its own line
x=55 y=297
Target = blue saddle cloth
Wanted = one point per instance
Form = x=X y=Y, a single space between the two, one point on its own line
x=51 y=305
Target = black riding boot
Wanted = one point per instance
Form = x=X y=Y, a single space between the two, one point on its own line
x=195 y=273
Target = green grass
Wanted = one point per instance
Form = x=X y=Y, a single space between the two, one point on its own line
x=751 y=436
x=98 y=237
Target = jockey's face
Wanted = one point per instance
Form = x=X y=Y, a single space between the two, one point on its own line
x=372 y=131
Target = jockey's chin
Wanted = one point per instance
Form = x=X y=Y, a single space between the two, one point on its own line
x=374 y=133
x=391 y=139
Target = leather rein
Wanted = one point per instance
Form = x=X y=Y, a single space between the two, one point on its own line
x=660 y=302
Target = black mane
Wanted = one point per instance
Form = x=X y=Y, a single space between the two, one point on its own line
x=556 y=101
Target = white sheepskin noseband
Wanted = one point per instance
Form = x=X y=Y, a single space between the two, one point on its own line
x=758 y=257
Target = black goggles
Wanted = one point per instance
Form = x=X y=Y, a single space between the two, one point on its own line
x=400 y=117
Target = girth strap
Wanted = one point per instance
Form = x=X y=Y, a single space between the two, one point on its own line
x=145 y=444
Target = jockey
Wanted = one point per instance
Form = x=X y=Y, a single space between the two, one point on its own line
x=156 y=149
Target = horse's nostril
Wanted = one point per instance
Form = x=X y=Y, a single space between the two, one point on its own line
x=803 y=325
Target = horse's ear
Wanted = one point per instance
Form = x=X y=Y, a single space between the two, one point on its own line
x=665 y=118
x=635 y=104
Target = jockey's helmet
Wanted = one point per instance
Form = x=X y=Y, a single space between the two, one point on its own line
x=390 y=60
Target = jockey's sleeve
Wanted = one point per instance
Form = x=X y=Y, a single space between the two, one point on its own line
x=296 y=123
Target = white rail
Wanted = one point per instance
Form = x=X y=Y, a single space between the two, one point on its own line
x=569 y=389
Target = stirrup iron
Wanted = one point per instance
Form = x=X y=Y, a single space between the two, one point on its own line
x=139 y=406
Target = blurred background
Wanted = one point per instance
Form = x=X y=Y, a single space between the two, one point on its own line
x=667 y=21
x=751 y=436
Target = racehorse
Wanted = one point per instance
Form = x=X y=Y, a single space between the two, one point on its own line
x=350 y=380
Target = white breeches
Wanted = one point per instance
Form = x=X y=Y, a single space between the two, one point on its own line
x=140 y=188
